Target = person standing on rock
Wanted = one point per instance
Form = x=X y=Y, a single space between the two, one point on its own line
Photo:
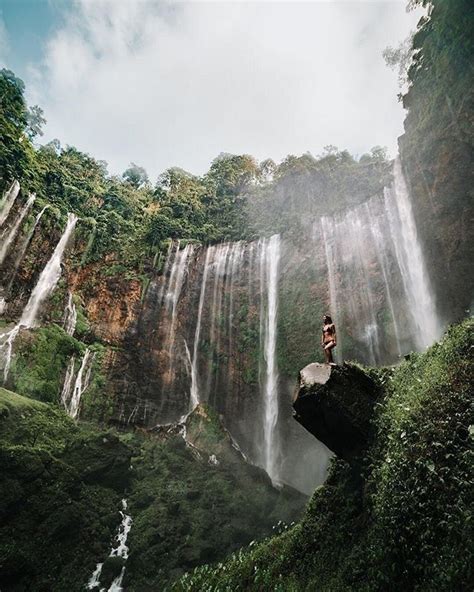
x=328 y=338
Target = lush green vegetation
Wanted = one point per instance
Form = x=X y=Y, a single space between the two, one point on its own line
x=58 y=496
x=400 y=516
x=63 y=482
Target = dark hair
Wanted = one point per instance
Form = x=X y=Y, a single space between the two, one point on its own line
x=328 y=319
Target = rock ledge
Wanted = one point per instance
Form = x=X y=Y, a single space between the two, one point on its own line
x=335 y=404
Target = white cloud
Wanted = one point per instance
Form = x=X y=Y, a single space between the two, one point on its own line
x=174 y=84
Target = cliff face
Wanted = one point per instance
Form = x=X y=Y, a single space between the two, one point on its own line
x=197 y=326
x=437 y=150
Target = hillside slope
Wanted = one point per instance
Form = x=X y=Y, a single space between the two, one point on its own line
x=191 y=496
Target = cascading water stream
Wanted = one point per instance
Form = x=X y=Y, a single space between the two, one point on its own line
x=10 y=236
x=377 y=242
x=80 y=385
x=383 y=262
x=49 y=277
x=25 y=244
x=67 y=385
x=46 y=284
x=8 y=201
x=178 y=273
x=271 y=259
x=194 y=400
x=326 y=232
x=120 y=550
x=70 y=315
x=411 y=261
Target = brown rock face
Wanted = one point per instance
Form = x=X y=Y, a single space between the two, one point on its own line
x=335 y=404
x=111 y=303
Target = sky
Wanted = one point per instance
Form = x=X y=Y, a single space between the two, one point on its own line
x=171 y=83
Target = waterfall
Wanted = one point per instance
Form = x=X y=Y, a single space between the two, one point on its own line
x=379 y=287
x=410 y=260
x=25 y=244
x=219 y=266
x=178 y=273
x=166 y=269
x=8 y=201
x=67 y=385
x=44 y=287
x=70 y=316
x=350 y=258
x=379 y=240
x=11 y=234
x=80 y=385
x=121 y=550
x=194 y=400
x=49 y=276
x=271 y=257
x=327 y=230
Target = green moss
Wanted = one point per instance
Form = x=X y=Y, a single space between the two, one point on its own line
x=41 y=356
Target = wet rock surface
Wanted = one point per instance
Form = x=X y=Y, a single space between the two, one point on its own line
x=335 y=404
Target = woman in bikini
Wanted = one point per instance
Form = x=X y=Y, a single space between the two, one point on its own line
x=328 y=338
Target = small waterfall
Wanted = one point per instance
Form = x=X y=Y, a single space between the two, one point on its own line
x=411 y=261
x=8 y=201
x=10 y=236
x=67 y=385
x=271 y=257
x=46 y=283
x=120 y=550
x=70 y=316
x=80 y=385
x=25 y=244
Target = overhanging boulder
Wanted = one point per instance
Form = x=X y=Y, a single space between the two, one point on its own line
x=335 y=404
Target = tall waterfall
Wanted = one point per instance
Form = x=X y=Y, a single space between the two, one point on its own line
x=25 y=244
x=45 y=286
x=197 y=335
x=411 y=261
x=378 y=283
x=175 y=285
x=271 y=260
x=210 y=302
x=49 y=276
x=7 y=241
x=8 y=200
